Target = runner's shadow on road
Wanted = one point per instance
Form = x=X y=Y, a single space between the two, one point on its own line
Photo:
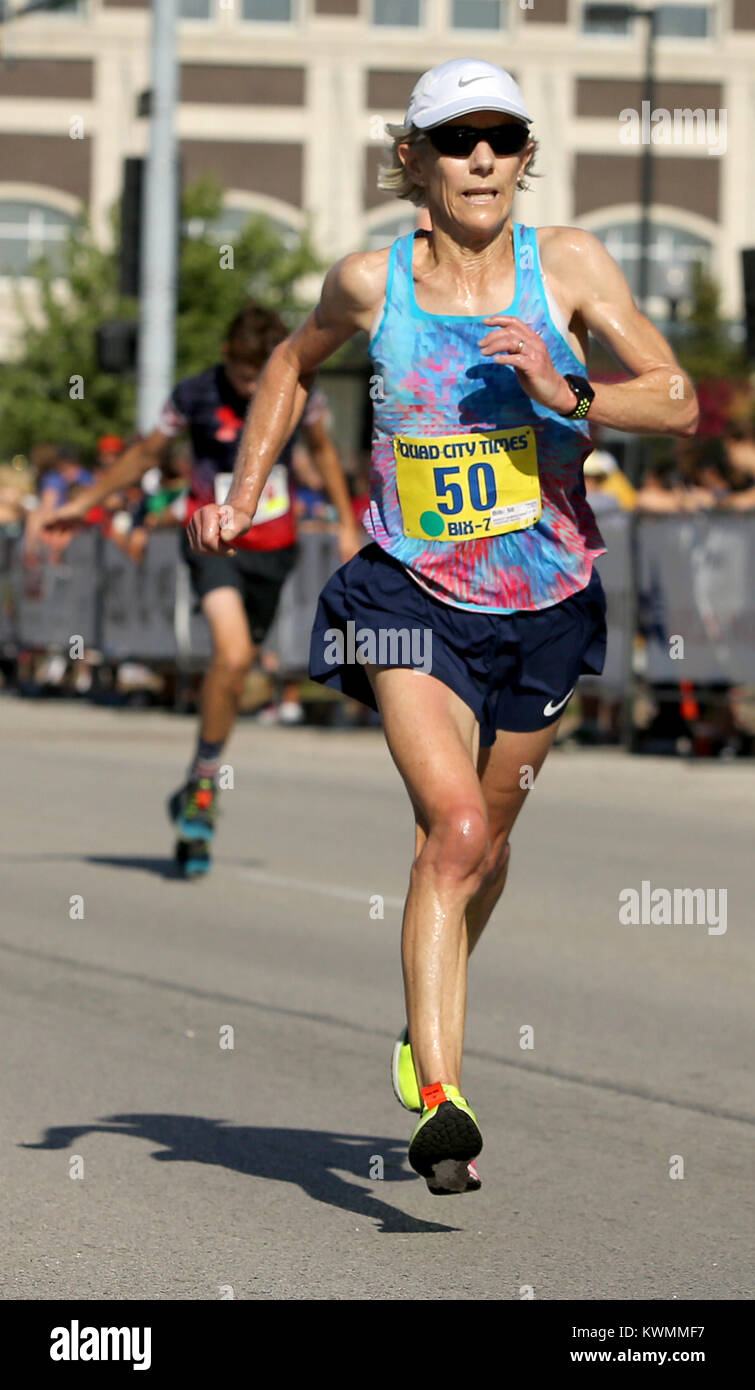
x=312 y=1159
x=160 y=865
x=148 y=863
x=164 y=868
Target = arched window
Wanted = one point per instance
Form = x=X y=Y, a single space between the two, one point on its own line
x=29 y=230
x=672 y=253
x=228 y=225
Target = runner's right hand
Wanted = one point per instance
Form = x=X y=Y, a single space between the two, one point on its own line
x=213 y=529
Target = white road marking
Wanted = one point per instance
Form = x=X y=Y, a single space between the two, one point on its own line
x=309 y=885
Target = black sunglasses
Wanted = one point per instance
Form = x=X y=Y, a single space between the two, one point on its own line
x=460 y=140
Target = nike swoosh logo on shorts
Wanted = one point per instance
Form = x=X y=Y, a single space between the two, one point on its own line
x=481 y=78
x=551 y=709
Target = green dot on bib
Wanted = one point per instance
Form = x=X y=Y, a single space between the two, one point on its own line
x=431 y=523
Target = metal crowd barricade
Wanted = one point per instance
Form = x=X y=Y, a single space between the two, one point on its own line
x=139 y=604
x=696 y=581
x=615 y=570
x=7 y=607
x=682 y=577
x=54 y=601
x=290 y=634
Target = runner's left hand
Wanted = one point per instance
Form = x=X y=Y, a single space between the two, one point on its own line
x=535 y=371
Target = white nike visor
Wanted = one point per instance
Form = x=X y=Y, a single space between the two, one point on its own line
x=460 y=86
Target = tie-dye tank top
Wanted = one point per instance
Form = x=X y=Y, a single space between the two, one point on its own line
x=468 y=445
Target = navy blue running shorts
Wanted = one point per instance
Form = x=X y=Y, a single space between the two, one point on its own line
x=516 y=671
x=258 y=575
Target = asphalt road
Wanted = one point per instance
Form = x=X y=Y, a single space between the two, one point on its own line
x=258 y=1166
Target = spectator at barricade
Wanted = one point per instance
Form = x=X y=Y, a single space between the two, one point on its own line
x=712 y=473
x=43 y=459
x=671 y=485
x=739 y=449
x=607 y=488
x=110 y=447
x=57 y=482
x=16 y=492
x=166 y=506
x=69 y=472
x=740 y=453
x=120 y=516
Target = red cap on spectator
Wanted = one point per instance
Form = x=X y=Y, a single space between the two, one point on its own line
x=111 y=441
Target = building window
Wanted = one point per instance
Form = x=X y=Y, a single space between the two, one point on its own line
x=399 y=13
x=65 y=7
x=684 y=22
x=672 y=20
x=478 y=14
x=194 y=9
x=269 y=11
x=28 y=231
x=225 y=228
x=672 y=255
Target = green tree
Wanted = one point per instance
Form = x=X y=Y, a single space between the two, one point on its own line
x=703 y=345
x=40 y=391
x=265 y=267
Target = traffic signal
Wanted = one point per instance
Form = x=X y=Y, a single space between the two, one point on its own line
x=131 y=226
x=116 y=344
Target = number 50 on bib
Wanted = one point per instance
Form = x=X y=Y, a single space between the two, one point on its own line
x=462 y=487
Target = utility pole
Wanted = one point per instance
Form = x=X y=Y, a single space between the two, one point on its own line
x=621 y=14
x=646 y=185
x=157 y=299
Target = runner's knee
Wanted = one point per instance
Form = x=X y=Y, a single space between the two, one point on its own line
x=457 y=846
x=232 y=665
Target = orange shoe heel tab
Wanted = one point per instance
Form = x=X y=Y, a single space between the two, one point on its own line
x=433 y=1095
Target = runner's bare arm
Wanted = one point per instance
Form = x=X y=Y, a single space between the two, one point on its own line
x=661 y=398
x=595 y=296
x=130 y=468
x=349 y=294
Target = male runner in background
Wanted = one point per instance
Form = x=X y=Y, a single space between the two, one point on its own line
x=238 y=593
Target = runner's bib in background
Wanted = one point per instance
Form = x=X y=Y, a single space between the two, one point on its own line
x=460 y=487
x=275 y=499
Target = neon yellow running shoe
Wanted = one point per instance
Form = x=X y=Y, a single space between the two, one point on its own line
x=403 y=1075
x=445 y=1141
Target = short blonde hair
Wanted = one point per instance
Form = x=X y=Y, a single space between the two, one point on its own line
x=394 y=177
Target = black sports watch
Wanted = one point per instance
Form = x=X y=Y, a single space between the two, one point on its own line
x=585 y=396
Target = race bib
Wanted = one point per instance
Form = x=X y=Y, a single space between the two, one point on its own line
x=459 y=487
x=274 y=501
